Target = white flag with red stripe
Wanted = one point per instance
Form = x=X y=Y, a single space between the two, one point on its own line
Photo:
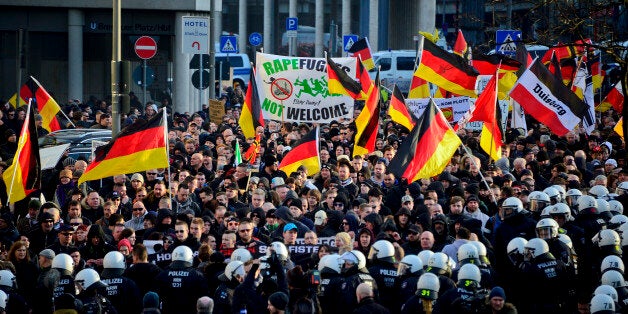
x=548 y=100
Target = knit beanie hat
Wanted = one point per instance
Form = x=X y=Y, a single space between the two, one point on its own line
x=279 y=300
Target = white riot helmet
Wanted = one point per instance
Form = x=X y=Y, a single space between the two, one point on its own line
x=409 y=264
x=572 y=197
x=242 y=255
x=183 y=253
x=617 y=221
x=561 y=191
x=604 y=209
x=547 y=228
x=535 y=248
x=553 y=194
x=354 y=257
x=481 y=251
x=88 y=278
x=607 y=290
x=114 y=259
x=7 y=279
x=598 y=191
x=612 y=262
x=234 y=269
x=602 y=303
x=63 y=261
x=425 y=256
x=468 y=252
x=382 y=250
x=512 y=206
x=561 y=209
x=280 y=249
x=622 y=188
x=587 y=203
x=4 y=298
x=617 y=208
x=439 y=263
x=516 y=250
x=330 y=261
x=565 y=239
x=546 y=213
x=469 y=276
x=613 y=278
x=538 y=201
x=427 y=287
x=607 y=237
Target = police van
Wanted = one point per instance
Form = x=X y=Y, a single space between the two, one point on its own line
x=241 y=67
x=395 y=67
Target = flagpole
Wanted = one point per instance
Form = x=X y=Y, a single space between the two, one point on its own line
x=16 y=158
x=466 y=149
x=165 y=119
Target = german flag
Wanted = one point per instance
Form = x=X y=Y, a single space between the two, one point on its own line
x=419 y=88
x=47 y=107
x=340 y=83
x=23 y=177
x=555 y=68
x=428 y=149
x=485 y=110
x=619 y=127
x=251 y=116
x=367 y=123
x=508 y=67
x=250 y=155
x=614 y=99
x=595 y=69
x=488 y=64
x=460 y=47
x=398 y=110
x=305 y=153
x=362 y=49
x=138 y=147
x=365 y=79
x=447 y=70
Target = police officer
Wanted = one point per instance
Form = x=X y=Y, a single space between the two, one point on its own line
x=123 y=292
x=88 y=285
x=468 y=254
x=408 y=272
x=545 y=288
x=439 y=264
x=16 y=302
x=180 y=284
x=64 y=266
x=354 y=272
x=229 y=280
x=423 y=299
x=384 y=271
x=331 y=280
x=468 y=297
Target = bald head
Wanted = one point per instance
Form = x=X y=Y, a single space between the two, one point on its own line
x=364 y=290
x=205 y=305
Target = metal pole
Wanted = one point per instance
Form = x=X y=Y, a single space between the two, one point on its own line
x=220 y=78
x=19 y=65
x=116 y=57
x=144 y=79
x=200 y=82
x=212 y=55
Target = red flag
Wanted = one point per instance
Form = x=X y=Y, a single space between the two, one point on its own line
x=460 y=47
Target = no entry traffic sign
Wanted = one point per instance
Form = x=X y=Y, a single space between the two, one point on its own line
x=145 y=47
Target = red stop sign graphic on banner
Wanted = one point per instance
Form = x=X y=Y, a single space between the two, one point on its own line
x=145 y=47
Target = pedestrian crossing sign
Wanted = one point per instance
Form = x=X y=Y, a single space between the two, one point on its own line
x=348 y=41
x=228 y=44
x=506 y=41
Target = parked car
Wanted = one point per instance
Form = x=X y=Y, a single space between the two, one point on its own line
x=80 y=140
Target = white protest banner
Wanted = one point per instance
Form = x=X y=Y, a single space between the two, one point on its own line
x=294 y=89
x=50 y=156
x=453 y=108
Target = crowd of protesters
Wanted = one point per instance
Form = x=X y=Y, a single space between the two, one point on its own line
x=539 y=230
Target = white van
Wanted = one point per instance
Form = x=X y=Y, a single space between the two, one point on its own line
x=241 y=67
x=395 y=67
